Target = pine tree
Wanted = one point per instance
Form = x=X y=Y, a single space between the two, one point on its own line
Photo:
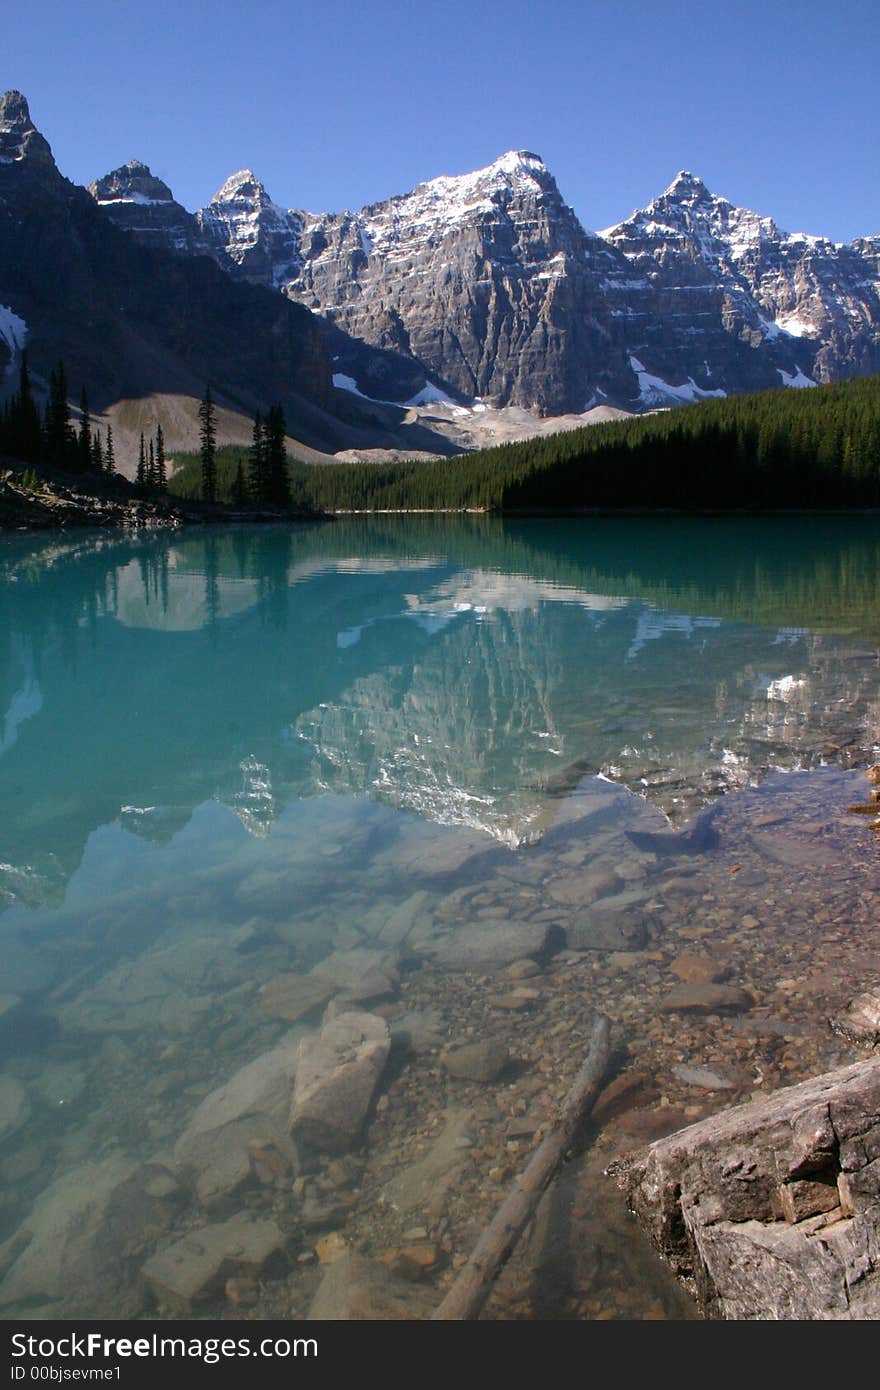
x=160 y=481
x=141 y=475
x=23 y=419
x=257 y=463
x=84 y=442
x=240 y=488
x=277 y=479
x=208 y=447
x=109 y=459
x=60 y=439
x=151 y=468
x=97 y=453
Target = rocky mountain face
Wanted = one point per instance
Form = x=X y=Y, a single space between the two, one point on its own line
x=489 y=284
x=128 y=318
x=258 y=240
x=489 y=280
x=140 y=203
x=731 y=300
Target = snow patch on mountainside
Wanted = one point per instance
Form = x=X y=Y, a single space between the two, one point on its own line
x=13 y=330
x=139 y=199
x=795 y=326
x=653 y=390
x=429 y=395
x=796 y=378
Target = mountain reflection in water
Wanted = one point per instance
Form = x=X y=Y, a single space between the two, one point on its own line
x=469 y=671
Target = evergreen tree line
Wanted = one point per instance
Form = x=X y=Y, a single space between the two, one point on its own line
x=152 y=469
x=769 y=450
x=52 y=438
x=262 y=479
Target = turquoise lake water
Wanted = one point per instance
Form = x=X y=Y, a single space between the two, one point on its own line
x=231 y=756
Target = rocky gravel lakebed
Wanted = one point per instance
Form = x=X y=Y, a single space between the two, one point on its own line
x=239 y=1124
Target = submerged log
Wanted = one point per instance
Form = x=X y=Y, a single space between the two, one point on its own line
x=474 y=1284
x=771 y=1210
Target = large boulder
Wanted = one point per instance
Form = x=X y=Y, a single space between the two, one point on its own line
x=72 y=1253
x=251 y=1108
x=337 y=1073
x=193 y=1269
x=493 y=945
x=771 y=1210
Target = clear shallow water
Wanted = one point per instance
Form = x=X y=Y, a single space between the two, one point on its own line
x=231 y=759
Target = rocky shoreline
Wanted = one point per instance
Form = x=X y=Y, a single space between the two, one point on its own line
x=51 y=503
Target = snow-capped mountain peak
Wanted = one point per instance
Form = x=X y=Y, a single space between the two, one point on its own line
x=686 y=187
x=244 y=185
x=242 y=225
x=133 y=182
x=488 y=283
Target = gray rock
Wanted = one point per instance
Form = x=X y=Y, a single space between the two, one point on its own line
x=860 y=1020
x=770 y=1210
x=75 y=1240
x=490 y=945
x=703 y=1077
x=424 y=1184
x=605 y=931
x=195 y=1267
x=139 y=202
x=355 y=1289
x=477 y=1061
x=337 y=1073
x=293 y=997
x=707 y=998
x=254 y=1104
x=488 y=284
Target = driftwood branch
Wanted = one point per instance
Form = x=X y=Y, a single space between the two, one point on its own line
x=495 y=1246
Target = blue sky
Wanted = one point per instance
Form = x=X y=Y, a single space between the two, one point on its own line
x=335 y=105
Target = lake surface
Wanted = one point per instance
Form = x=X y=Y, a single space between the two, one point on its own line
x=467 y=776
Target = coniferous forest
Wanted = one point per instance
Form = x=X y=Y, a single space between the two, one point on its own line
x=774 y=449
x=54 y=440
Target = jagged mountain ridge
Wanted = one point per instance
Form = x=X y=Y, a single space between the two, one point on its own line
x=490 y=283
x=142 y=328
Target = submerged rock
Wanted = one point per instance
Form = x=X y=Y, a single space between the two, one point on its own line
x=253 y=1105
x=477 y=1061
x=169 y=989
x=337 y=1073
x=424 y=1184
x=73 y=1245
x=703 y=1077
x=492 y=945
x=597 y=930
x=356 y=1289
x=706 y=998
x=293 y=997
x=197 y=1266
